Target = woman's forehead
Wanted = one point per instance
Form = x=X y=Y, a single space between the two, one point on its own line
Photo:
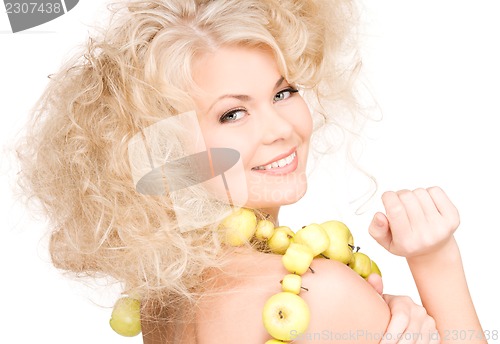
x=230 y=69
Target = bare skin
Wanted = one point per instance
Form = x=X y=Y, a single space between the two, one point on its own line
x=334 y=294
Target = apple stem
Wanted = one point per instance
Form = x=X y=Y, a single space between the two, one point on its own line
x=354 y=247
x=281 y=314
x=322 y=255
x=311 y=269
x=304 y=288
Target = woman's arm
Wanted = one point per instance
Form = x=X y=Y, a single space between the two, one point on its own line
x=419 y=225
x=442 y=286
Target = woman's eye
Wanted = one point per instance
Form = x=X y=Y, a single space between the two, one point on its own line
x=232 y=115
x=285 y=94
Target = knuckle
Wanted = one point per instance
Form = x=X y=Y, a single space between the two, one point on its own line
x=420 y=191
x=455 y=220
x=405 y=195
x=435 y=189
x=430 y=323
x=396 y=211
x=420 y=312
x=407 y=299
x=401 y=317
x=387 y=195
x=403 y=191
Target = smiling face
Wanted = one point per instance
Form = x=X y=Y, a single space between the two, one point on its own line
x=248 y=106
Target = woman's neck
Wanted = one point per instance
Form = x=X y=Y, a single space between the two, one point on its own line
x=273 y=214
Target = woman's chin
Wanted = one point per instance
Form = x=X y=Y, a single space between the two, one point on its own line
x=268 y=199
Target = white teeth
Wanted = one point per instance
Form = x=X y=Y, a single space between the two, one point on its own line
x=280 y=163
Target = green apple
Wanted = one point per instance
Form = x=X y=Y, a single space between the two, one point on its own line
x=126 y=317
x=292 y=283
x=375 y=268
x=274 y=341
x=280 y=240
x=239 y=227
x=297 y=258
x=313 y=236
x=265 y=230
x=362 y=264
x=341 y=241
x=285 y=315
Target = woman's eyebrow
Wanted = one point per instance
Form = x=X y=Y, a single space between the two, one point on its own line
x=242 y=97
x=279 y=82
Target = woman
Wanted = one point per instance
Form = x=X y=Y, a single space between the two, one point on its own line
x=245 y=69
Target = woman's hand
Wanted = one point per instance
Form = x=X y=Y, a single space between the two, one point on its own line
x=419 y=225
x=416 y=223
x=409 y=322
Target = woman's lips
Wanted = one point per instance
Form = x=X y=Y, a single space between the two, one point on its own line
x=280 y=165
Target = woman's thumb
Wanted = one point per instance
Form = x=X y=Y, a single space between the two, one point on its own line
x=380 y=231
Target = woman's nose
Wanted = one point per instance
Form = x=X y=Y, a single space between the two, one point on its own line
x=275 y=125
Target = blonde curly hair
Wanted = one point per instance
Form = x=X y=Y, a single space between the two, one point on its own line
x=74 y=160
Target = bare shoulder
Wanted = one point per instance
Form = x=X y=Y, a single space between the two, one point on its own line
x=343 y=306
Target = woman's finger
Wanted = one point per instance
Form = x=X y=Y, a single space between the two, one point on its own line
x=413 y=208
x=396 y=214
x=445 y=206
x=426 y=203
x=400 y=318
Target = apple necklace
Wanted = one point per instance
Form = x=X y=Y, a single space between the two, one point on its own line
x=331 y=240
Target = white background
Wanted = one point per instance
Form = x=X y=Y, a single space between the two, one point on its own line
x=433 y=68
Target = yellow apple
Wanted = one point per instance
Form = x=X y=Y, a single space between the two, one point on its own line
x=362 y=264
x=281 y=239
x=375 y=268
x=265 y=230
x=291 y=283
x=341 y=241
x=274 y=341
x=126 y=317
x=313 y=236
x=297 y=258
x=285 y=315
x=239 y=227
